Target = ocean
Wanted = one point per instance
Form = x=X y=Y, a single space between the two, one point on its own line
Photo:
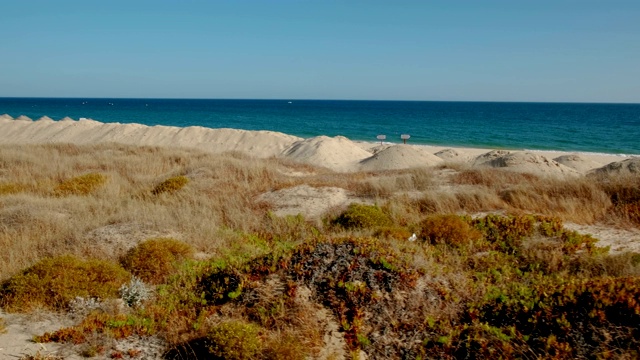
x=573 y=127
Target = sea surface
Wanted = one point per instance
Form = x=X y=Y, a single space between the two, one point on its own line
x=595 y=128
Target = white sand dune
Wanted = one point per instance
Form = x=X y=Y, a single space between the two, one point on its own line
x=45 y=119
x=533 y=163
x=578 y=162
x=488 y=157
x=255 y=143
x=452 y=155
x=336 y=153
x=399 y=157
x=628 y=166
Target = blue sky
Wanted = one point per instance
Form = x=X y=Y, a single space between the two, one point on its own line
x=484 y=50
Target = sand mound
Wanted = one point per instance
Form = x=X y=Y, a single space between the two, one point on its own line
x=578 y=163
x=86 y=131
x=399 y=157
x=376 y=148
x=532 y=163
x=306 y=200
x=451 y=155
x=484 y=159
x=66 y=118
x=628 y=166
x=45 y=118
x=337 y=153
x=23 y=118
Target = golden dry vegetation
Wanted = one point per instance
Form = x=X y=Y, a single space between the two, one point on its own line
x=228 y=278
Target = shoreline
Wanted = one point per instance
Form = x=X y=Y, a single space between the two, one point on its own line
x=337 y=153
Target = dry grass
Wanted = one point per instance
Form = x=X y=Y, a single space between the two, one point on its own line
x=222 y=189
x=116 y=182
x=41 y=356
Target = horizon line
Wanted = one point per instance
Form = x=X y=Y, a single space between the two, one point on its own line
x=300 y=99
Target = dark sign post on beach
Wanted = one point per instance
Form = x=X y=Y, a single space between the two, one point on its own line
x=381 y=138
x=405 y=137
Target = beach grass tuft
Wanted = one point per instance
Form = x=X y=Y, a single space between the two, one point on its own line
x=80 y=185
x=170 y=185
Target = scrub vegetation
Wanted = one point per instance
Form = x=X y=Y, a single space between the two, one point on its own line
x=492 y=273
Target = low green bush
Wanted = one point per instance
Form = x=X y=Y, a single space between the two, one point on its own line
x=359 y=216
x=154 y=260
x=224 y=283
x=506 y=233
x=451 y=230
x=583 y=318
x=53 y=282
x=234 y=339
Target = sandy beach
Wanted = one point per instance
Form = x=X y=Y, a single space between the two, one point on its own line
x=338 y=153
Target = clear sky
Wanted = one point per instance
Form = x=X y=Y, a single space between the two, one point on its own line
x=511 y=50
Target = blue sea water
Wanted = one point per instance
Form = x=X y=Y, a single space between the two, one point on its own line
x=600 y=128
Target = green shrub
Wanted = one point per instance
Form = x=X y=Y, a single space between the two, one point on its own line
x=3 y=326
x=170 y=185
x=53 y=282
x=549 y=226
x=506 y=233
x=224 y=283
x=451 y=230
x=80 y=185
x=359 y=216
x=155 y=260
x=234 y=339
x=573 y=241
x=576 y=319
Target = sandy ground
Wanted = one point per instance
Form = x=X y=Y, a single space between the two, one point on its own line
x=618 y=240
